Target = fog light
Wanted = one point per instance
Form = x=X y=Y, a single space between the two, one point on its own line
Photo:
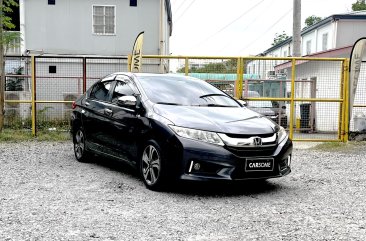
x=196 y=166
x=289 y=160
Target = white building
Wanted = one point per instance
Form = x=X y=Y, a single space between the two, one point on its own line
x=97 y=27
x=84 y=28
x=327 y=38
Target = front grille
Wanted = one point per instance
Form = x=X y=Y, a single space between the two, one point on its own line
x=248 y=136
x=252 y=151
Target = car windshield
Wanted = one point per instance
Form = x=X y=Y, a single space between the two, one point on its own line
x=260 y=104
x=182 y=90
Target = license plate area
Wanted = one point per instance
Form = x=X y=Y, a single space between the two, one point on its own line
x=259 y=164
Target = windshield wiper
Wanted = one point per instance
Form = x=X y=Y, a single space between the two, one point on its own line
x=167 y=103
x=208 y=95
x=217 y=105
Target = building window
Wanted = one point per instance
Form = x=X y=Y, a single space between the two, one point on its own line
x=308 y=47
x=104 y=20
x=133 y=3
x=52 y=69
x=325 y=42
x=51 y=2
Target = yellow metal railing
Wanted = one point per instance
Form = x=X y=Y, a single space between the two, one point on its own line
x=239 y=86
x=343 y=115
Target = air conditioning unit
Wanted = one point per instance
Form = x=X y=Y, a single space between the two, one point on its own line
x=271 y=73
x=67 y=107
x=22 y=110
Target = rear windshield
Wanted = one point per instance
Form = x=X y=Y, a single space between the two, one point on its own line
x=182 y=90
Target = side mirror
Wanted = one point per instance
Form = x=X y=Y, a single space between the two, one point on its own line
x=127 y=101
x=243 y=102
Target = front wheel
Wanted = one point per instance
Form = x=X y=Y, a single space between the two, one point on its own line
x=81 y=154
x=151 y=166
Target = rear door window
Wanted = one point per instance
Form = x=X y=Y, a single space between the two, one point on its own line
x=101 y=90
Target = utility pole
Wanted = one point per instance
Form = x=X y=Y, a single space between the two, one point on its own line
x=296 y=36
x=2 y=74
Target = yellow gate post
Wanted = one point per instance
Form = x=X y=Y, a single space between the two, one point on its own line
x=292 y=101
x=346 y=102
x=33 y=65
x=239 y=82
x=129 y=62
x=186 y=66
x=342 y=104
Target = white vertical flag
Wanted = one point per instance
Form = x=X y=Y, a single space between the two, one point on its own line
x=137 y=53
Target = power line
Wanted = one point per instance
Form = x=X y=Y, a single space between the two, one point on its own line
x=184 y=11
x=283 y=16
x=181 y=4
x=248 y=25
x=230 y=23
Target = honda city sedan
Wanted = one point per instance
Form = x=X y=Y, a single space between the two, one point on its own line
x=173 y=127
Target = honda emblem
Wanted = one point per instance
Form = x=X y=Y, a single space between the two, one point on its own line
x=257 y=141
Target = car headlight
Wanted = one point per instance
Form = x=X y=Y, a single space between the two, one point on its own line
x=199 y=135
x=282 y=134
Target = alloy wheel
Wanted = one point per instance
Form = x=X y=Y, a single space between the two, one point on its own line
x=151 y=165
x=79 y=145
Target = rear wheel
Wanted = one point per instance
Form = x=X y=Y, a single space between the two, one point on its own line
x=152 y=166
x=81 y=154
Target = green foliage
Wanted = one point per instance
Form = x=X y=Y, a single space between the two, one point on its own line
x=279 y=38
x=43 y=123
x=311 y=20
x=11 y=135
x=359 y=5
x=229 y=66
x=11 y=40
x=7 y=8
x=15 y=83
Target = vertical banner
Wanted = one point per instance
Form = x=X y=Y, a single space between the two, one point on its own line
x=357 y=54
x=137 y=53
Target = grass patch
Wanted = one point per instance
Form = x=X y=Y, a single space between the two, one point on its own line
x=339 y=146
x=9 y=135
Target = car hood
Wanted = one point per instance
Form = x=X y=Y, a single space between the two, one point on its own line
x=230 y=120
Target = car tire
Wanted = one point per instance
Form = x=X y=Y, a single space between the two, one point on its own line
x=81 y=154
x=152 y=166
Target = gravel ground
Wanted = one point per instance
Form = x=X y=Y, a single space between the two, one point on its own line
x=47 y=195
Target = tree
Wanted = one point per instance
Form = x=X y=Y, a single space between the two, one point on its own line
x=6 y=40
x=279 y=38
x=229 y=66
x=311 y=20
x=359 y=5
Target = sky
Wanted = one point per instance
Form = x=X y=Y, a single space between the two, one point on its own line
x=239 y=27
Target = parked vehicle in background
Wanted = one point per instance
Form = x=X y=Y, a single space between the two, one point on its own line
x=177 y=127
x=274 y=110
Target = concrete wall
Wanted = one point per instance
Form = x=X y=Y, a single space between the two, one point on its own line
x=66 y=27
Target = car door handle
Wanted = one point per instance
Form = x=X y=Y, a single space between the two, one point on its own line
x=108 y=111
x=87 y=103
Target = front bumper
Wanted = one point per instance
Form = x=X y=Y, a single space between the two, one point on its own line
x=202 y=161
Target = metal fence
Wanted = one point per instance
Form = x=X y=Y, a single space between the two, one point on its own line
x=358 y=117
x=305 y=95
